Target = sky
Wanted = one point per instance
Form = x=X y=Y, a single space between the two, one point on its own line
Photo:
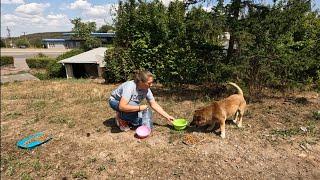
x=33 y=16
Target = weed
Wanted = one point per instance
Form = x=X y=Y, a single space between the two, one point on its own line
x=62 y=120
x=38 y=105
x=101 y=168
x=10 y=171
x=80 y=175
x=13 y=115
x=92 y=160
x=3 y=128
x=36 y=165
x=316 y=115
x=311 y=126
x=286 y=132
x=25 y=176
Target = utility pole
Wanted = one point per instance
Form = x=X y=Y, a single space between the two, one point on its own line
x=9 y=37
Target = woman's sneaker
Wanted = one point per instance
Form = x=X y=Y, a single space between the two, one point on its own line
x=122 y=124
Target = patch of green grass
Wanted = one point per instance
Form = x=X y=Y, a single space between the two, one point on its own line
x=101 y=168
x=10 y=171
x=14 y=115
x=316 y=115
x=42 y=76
x=62 y=120
x=39 y=105
x=92 y=160
x=25 y=176
x=80 y=175
x=312 y=128
x=4 y=128
x=14 y=97
x=36 y=165
x=285 y=132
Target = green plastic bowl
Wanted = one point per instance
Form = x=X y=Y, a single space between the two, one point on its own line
x=180 y=124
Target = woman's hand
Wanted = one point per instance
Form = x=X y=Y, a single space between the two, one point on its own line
x=142 y=107
x=170 y=119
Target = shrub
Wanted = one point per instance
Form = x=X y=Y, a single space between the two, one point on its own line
x=6 y=60
x=55 y=69
x=41 y=76
x=39 y=62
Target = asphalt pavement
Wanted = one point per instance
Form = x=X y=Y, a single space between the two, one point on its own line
x=21 y=68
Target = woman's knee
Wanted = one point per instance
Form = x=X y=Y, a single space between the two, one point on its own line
x=114 y=104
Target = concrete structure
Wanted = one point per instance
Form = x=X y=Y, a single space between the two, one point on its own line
x=87 y=64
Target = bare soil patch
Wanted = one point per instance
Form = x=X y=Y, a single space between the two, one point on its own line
x=280 y=138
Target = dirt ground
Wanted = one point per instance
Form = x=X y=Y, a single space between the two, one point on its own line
x=279 y=140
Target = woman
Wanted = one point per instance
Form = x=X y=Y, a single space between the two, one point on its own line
x=126 y=101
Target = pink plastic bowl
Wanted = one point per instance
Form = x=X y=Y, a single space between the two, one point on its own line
x=143 y=131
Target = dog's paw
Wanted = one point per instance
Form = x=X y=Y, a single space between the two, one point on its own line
x=239 y=125
x=223 y=135
x=234 y=121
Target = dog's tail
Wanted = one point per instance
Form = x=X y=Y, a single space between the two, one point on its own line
x=236 y=86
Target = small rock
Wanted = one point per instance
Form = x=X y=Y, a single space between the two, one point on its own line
x=302 y=155
x=88 y=134
x=304 y=129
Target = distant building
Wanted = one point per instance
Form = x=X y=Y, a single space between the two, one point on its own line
x=70 y=42
x=54 y=43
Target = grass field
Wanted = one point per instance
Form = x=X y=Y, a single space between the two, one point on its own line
x=280 y=138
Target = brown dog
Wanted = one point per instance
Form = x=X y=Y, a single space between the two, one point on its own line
x=219 y=111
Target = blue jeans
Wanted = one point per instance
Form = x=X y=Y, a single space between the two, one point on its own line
x=135 y=118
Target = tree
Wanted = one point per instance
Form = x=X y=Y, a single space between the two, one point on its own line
x=22 y=42
x=83 y=31
x=3 y=43
x=106 y=28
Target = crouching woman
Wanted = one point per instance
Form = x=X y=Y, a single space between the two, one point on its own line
x=126 y=101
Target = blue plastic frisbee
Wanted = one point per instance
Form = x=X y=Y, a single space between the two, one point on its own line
x=33 y=141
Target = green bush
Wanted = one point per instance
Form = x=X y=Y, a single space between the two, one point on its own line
x=6 y=60
x=41 y=76
x=55 y=69
x=39 y=62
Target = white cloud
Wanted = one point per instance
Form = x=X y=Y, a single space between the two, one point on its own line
x=167 y=2
x=80 y=4
x=101 y=14
x=56 y=17
x=101 y=11
x=12 y=1
x=32 y=8
x=37 y=17
x=34 y=23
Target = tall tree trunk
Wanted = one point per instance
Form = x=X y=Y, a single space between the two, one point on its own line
x=235 y=12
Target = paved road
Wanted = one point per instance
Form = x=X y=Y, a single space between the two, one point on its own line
x=20 y=64
x=25 y=53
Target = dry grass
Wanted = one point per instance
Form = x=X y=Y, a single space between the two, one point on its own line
x=280 y=138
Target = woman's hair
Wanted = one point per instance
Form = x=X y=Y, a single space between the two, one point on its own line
x=142 y=76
